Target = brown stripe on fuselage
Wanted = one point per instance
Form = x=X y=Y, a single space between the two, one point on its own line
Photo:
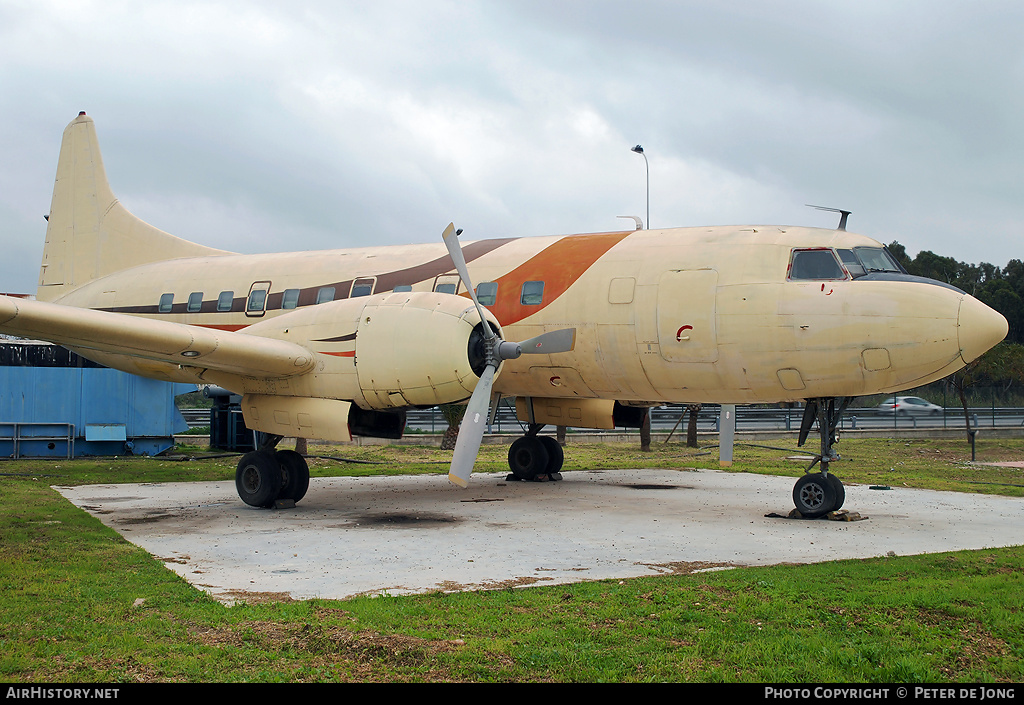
x=307 y=295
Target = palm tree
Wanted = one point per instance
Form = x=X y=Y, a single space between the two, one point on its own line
x=453 y=414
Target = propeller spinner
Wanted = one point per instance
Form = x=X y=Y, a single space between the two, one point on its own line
x=495 y=350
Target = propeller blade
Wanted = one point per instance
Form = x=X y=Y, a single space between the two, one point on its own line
x=451 y=241
x=557 y=341
x=471 y=432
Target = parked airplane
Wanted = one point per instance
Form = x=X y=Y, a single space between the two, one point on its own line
x=324 y=345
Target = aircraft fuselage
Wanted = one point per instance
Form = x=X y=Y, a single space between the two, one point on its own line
x=684 y=315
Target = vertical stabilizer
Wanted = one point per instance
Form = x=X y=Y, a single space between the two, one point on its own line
x=89 y=233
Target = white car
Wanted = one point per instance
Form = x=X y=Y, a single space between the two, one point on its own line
x=909 y=405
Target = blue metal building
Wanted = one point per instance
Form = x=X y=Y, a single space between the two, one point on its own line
x=54 y=403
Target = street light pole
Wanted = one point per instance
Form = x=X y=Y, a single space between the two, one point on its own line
x=640 y=150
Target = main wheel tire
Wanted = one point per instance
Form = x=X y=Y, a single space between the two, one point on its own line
x=258 y=478
x=527 y=457
x=814 y=495
x=839 y=491
x=296 y=475
x=556 y=456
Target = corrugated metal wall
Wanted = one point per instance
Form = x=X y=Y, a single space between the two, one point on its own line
x=112 y=412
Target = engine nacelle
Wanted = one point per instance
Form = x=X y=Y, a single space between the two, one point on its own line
x=416 y=349
x=385 y=351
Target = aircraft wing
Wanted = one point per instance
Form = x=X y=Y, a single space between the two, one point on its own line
x=161 y=341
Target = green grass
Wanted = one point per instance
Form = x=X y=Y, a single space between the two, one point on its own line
x=79 y=603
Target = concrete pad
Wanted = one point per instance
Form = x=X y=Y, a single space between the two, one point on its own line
x=353 y=536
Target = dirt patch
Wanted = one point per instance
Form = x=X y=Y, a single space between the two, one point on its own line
x=980 y=647
x=449 y=586
x=253 y=598
x=148 y=519
x=687 y=567
x=332 y=643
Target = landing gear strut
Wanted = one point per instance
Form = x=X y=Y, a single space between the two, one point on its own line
x=533 y=455
x=266 y=476
x=816 y=494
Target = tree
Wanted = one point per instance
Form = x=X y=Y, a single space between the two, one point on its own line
x=691 y=425
x=453 y=414
x=1002 y=366
x=645 y=432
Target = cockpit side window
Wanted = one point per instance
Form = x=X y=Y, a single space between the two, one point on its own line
x=852 y=264
x=816 y=264
x=864 y=260
x=877 y=259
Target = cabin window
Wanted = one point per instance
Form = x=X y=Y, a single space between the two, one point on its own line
x=225 y=300
x=195 y=302
x=361 y=287
x=814 y=265
x=257 y=300
x=256 y=303
x=166 y=302
x=487 y=293
x=532 y=294
x=290 y=299
x=403 y=287
x=325 y=294
x=447 y=284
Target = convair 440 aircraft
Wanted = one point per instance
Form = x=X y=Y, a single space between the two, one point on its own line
x=324 y=345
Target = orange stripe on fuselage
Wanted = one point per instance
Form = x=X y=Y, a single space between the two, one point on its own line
x=350 y=353
x=558 y=266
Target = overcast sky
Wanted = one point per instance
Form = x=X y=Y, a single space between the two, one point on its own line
x=268 y=126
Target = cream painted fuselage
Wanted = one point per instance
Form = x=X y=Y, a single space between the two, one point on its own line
x=679 y=315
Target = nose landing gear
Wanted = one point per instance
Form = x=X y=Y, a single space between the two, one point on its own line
x=817 y=494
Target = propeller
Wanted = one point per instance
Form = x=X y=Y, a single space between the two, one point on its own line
x=496 y=350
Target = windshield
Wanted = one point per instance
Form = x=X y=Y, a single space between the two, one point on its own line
x=863 y=260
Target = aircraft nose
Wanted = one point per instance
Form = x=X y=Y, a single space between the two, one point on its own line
x=979 y=328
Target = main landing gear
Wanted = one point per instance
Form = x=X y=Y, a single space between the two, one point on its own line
x=267 y=476
x=817 y=494
x=533 y=456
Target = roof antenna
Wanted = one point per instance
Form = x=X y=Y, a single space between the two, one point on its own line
x=636 y=219
x=843 y=214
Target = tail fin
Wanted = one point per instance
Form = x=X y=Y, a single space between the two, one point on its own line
x=90 y=234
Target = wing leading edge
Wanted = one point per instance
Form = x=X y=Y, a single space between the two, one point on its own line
x=175 y=344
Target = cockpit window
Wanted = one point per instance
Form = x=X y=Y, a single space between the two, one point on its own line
x=864 y=260
x=877 y=259
x=815 y=264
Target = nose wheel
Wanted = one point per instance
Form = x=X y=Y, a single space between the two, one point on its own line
x=817 y=494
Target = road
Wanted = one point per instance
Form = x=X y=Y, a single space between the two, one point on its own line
x=665 y=418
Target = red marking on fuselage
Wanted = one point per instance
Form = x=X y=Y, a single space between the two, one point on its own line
x=229 y=328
